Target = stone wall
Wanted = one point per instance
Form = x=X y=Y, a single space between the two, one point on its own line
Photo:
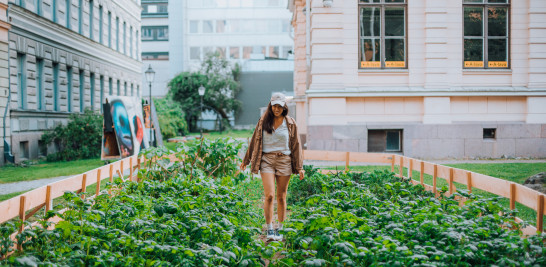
x=439 y=141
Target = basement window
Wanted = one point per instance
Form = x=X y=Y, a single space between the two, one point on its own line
x=23 y=150
x=385 y=140
x=489 y=133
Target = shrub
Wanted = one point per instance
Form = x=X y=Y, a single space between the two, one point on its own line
x=79 y=139
x=171 y=118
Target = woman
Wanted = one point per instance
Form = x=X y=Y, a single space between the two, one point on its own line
x=275 y=151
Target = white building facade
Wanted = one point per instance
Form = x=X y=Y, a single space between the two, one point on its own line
x=428 y=79
x=155 y=46
x=66 y=56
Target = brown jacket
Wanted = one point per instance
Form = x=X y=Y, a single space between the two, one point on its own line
x=254 y=152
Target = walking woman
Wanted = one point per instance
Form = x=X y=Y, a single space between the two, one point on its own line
x=275 y=151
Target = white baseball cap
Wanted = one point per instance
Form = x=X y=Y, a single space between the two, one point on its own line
x=278 y=99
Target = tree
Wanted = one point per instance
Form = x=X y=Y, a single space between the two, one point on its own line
x=221 y=81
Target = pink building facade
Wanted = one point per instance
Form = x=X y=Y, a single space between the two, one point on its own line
x=431 y=79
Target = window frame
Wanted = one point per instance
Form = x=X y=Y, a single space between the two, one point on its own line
x=485 y=4
x=155 y=33
x=382 y=4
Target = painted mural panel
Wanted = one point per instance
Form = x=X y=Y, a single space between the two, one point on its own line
x=124 y=133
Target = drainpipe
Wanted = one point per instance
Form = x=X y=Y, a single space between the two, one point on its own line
x=7 y=150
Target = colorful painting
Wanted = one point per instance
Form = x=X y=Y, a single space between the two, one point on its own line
x=123 y=120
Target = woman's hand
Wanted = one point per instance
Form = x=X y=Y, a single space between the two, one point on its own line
x=302 y=173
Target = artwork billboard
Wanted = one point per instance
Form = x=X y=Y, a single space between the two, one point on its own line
x=124 y=134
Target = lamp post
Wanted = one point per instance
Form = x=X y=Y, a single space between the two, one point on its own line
x=150 y=74
x=201 y=91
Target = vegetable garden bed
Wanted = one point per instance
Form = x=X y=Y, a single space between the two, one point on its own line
x=197 y=211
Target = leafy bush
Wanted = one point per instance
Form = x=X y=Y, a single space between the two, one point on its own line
x=79 y=139
x=171 y=117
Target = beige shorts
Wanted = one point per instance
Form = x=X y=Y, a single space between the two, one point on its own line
x=277 y=163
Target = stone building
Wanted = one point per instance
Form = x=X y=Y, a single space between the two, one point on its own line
x=66 y=56
x=424 y=78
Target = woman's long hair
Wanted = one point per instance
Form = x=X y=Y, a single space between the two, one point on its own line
x=268 y=118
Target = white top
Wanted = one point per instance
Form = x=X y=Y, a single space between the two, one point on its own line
x=277 y=141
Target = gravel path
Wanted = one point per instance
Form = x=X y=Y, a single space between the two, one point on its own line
x=27 y=185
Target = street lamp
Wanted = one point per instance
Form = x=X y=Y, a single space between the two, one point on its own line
x=201 y=91
x=150 y=74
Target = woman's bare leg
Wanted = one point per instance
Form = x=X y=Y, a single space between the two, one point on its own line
x=268 y=181
x=282 y=187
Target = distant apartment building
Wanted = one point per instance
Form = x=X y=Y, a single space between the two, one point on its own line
x=426 y=79
x=256 y=34
x=155 y=46
x=65 y=56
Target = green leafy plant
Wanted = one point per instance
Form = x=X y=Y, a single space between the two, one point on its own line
x=171 y=117
x=80 y=138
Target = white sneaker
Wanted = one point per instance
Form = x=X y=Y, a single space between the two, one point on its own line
x=270 y=235
x=278 y=237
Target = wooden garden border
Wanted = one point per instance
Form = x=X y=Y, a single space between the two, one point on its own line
x=36 y=199
x=513 y=191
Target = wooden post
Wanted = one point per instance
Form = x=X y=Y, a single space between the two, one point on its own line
x=121 y=170
x=451 y=181
x=434 y=179
x=540 y=212
x=131 y=169
x=22 y=207
x=422 y=173
x=410 y=170
x=469 y=181
x=392 y=162
x=111 y=179
x=402 y=166
x=347 y=161
x=138 y=165
x=98 y=182
x=49 y=201
x=512 y=196
x=84 y=183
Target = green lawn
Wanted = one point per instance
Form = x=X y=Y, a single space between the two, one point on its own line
x=214 y=136
x=515 y=172
x=41 y=170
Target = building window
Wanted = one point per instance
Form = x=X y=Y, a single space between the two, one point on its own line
x=247 y=50
x=138 y=90
x=486 y=37
x=155 y=33
x=132 y=90
x=68 y=3
x=194 y=26
x=489 y=133
x=124 y=38
x=273 y=52
x=92 y=90
x=101 y=22
x=56 y=81
x=207 y=26
x=286 y=50
x=109 y=29
x=39 y=7
x=23 y=150
x=40 y=83
x=54 y=10
x=119 y=88
x=125 y=88
x=110 y=87
x=91 y=19
x=220 y=26
x=155 y=55
x=69 y=73
x=131 y=41
x=382 y=34
x=385 y=140
x=80 y=17
x=21 y=80
x=234 y=52
x=221 y=51
x=195 y=53
x=137 y=43
x=101 y=84
x=82 y=90
x=117 y=33
x=155 y=9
